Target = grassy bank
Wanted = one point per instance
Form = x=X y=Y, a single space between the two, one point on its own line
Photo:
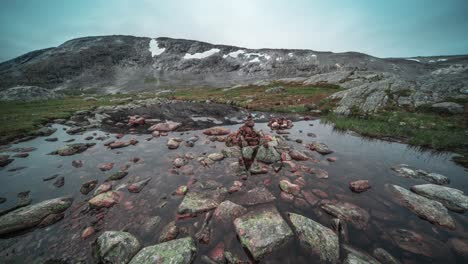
x=293 y=99
x=428 y=130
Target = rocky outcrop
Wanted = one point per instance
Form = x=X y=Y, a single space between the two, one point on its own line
x=32 y=215
x=28 y=93
x=409 y=172
x=430 y=210
x=115 y=247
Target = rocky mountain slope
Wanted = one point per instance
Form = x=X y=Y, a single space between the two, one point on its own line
x=127 y=64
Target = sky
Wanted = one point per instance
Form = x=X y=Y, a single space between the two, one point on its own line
x=391 y=28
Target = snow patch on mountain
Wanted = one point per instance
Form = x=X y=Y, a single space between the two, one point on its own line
x=154 y=48
x=201 y=55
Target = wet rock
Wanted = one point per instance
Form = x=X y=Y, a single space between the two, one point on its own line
x=54 y=139
x=59 y=182
x=155 y=133
x=115 y=247
x=179 y=251
x=149 y=225
x=103 y=188
x=316 y=238
x=216 y=156
x=5 y=160
x=77 y=163
x=408 y=172
x=341 y=228
x=227 y=211
x=72 y=149
x=460 y=246
x=75 y=130
x=217 y=131
x=196 y=201
x=32 y=215
x=348 y=212
x=88 y=186
x=280 y=123
x=248 y=152
x=429 y=210
x=165 y=127
x=331 y=159
x=169 y=232
x=136 y=120
x=50 y=220
x=232 y=152
x=122 y=144
x=359 y=186
x=384 y=257
x=451 y=198
x=236 y=186
x=287 y=197
x=320 y=148
x=297 y=155
x=23 y=149
x=87 y=232
x=257 y=195
x=267 y=154
x=107 y=199
x=173 y=143
x=181 y=190
x=321 y=174
x=45 y=131
x=138 y=186
x=310 y=197
x=311 y=135
x=204 y=234
x=233 y=259
x=354 y=256
x=50 y=177
x=257 y=168
x=290 y=188
x=106 y=166
x=21 y=155
x=179 y=162
x=262 y=231
x=2 y=200
x=117 y=176
x=418 y=243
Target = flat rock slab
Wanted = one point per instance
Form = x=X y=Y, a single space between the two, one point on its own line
x=179 y=251
x=348 y=212
x=262 y=231
x=420 y=244
x=201 y=200
x=451 y=198
x=115 y=247
x=257 y=195
x=228 y=211
x=408 y=172
x=427 y=209
x=316 y=238
x=32 y=215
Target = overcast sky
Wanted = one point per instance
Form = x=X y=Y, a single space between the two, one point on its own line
x=387 y=28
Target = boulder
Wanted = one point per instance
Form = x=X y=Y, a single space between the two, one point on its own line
x=217 y=156
x=165 y=127
x=262 y=231
x=429 y=210
x=420 y=244
x=197 y=201
x=227 y=211
x=290 y=188
x=107 y=199
x=348 y=212
x=320 y=148
x=217 y=131
x=316 y=238
x=115 y=247
x=149 y=225
x=45 y=131
x=32 y=215
x=72 y=149
x=88 y=186
x=179 y=251
x=451 y=198
x=173 y=143
x=359 y=186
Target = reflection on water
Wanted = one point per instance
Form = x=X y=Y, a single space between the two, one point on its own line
x=357 y=158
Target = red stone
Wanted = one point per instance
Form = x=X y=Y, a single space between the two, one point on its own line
x=89 y=231
x=359 y=186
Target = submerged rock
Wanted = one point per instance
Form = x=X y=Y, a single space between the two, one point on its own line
x=419 y=244
x=316 y=238
x=451 y=198
x=32 y=215
x=107 y=199
x=297 y=155
x=179 y=251
x=169 y=232
x=384 y=257
x=106 y=166
x=45 y=131
x=257 y=195
x=429 y=210
x=348 y=212
x=173 y=143
x=59 y=182
x=72 y=149
x=138 y=186
x=354 y=256
x=197 y=201
x=165 y=127
x=408 y=172
x=217 y=131
x=117 y=176
x=262 y=231
x=290 y=188
x=227 y=211
x=88 y=186
x=149 y=225
x=5 y=160
x=103 y=188
x=359 y=186
x=115 y=247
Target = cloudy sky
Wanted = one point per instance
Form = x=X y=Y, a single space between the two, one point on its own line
x=393 y=28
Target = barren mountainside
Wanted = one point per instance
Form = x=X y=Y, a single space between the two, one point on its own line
x=127 y=64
